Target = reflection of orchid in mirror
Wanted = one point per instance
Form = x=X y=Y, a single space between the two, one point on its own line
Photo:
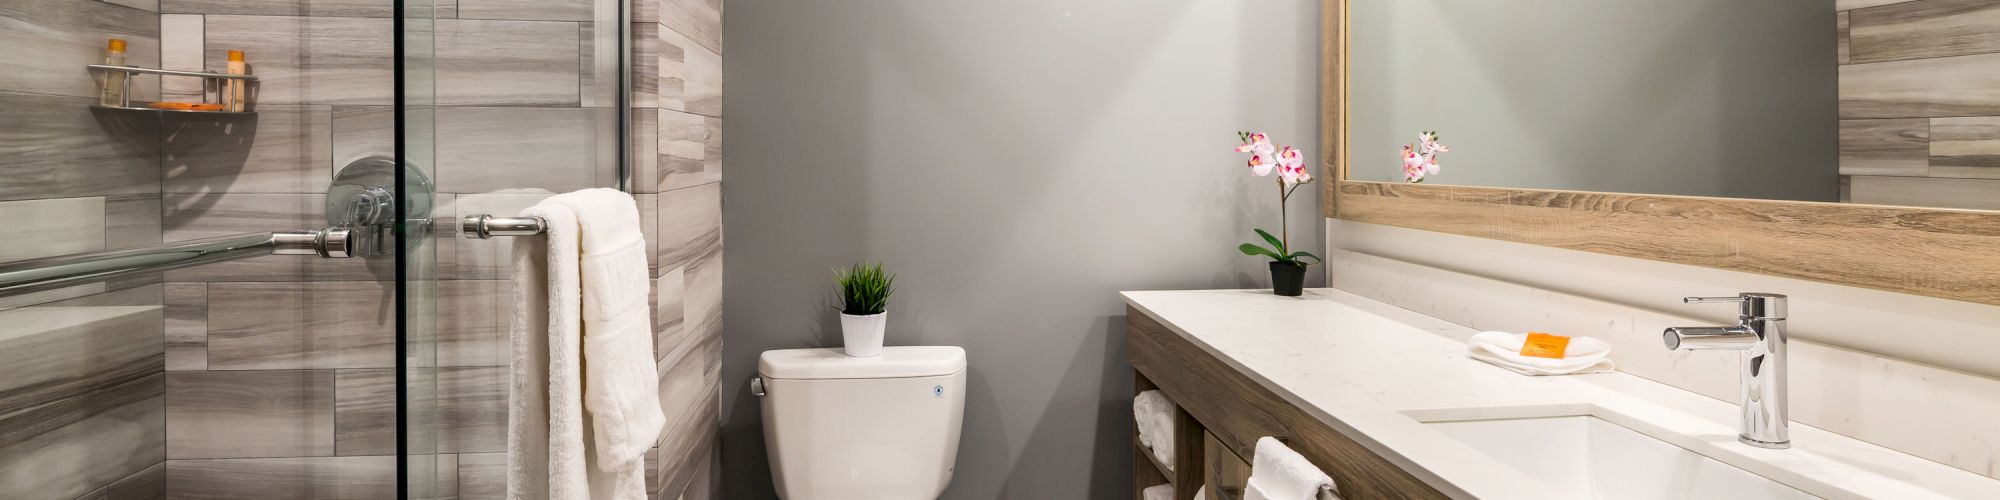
x=1421 y=160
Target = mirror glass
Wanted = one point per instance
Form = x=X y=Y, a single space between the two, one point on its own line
x=1865 y=101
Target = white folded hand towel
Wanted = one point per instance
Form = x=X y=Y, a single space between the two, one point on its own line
x=1158 y=492
x=1503 y=349
x=1153 y=413
x=1278 y=473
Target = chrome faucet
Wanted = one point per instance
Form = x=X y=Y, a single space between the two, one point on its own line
x=1761 y=337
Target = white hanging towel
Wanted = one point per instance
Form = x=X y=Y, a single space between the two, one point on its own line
x=584 y=404
x=1278 y=473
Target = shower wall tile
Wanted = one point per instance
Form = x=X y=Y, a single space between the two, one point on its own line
x=669 y=311
x=482 y=476
x=189 y=216
x=364 y=131
x=186 y=319
x=482 y=150
x=131 y=221
x=182 y=47
x=688 y=374
x=690 y=224
x=646 y=56
x=58 y=147
x=314 y=8
x=472 y=322
x=327 y=324
x=283 y=149
x=527 y=10
x=57 y=353
x=51 y=227
x=523 y=63
x=149 y=484
x=249 y=414
x=308 y=60
x=644 y=171
x=100 y=437
x=690 y=150
x=471 y=404
x=690 y=441
x=704 y=295
x=690 y=75
x=145 y=5
x=700 y=20
x=312 y=478
x=364 y=412
x=649 y=206
x=49 y=41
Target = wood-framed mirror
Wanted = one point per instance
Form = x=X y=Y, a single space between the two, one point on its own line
x=1854 y=142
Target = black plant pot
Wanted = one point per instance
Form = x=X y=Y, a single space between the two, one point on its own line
x=1288 y=279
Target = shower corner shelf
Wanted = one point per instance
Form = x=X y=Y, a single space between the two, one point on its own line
x=215 y=79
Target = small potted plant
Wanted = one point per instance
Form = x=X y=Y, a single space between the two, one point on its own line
x=1288 y=268
x=864 y=296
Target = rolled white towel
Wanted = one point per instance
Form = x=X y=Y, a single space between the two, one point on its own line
x=1153 y=413
x=1278 y=473
x=1503 y=349
x=1158 y=492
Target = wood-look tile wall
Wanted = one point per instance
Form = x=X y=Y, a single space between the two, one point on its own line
x=272 y=377
x=1920 y=122
x=82 y=402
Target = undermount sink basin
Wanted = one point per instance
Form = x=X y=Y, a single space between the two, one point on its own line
x=1593 y=458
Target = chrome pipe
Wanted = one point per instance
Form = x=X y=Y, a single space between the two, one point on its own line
x=49 y=273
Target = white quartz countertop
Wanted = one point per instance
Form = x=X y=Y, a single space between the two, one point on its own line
x=1375 y=372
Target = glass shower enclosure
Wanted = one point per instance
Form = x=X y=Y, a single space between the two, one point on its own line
x=231 y=263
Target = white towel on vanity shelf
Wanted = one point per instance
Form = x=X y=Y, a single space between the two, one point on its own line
x=1278 y=473
x=1153 y=414
x=1503 y=349
x=1158 y=492
x=584 y=405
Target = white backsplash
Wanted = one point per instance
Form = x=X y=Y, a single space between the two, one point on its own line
x=1937 y=413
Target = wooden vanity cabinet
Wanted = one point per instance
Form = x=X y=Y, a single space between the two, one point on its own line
x=1220 y=407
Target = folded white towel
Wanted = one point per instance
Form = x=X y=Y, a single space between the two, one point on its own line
x=1503 y=349
x=1158 y=492
x=1278 y=473
x=585 y=393
x=1153 y=413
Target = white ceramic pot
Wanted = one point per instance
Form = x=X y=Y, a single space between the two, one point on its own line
x=862 y=335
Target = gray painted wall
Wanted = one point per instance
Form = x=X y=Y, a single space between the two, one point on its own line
x=1018 y=163
x=1690 y=97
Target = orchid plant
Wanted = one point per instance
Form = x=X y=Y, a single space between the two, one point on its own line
x=1422 y=159
x=1265 y=157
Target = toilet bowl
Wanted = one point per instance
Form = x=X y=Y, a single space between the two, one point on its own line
x=883 y=427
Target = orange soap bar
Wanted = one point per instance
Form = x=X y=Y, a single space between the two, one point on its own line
x=1542 y=345
x=188 y=106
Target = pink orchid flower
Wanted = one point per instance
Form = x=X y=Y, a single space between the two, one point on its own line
x=1261 y=165
x=1258 y=143
x=1291 y=166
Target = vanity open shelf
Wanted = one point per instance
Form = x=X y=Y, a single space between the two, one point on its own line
x=209 y=80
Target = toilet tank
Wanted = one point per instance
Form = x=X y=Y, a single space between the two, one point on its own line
x=882 y=427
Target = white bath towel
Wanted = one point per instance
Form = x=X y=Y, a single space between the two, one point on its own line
x=585 y=399
x=1153 y=414
x=1158 y=492
x=1278 y=473
x=1503 y=349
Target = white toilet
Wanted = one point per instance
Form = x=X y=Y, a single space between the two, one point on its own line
x=882 y=427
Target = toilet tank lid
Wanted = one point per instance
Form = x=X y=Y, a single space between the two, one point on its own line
x=895 y=362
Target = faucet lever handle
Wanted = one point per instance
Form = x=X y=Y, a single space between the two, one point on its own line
x=1708 y=300
x=1750 y=304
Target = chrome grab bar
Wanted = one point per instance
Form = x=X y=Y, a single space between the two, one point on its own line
x=50 y=273
x=486 y=226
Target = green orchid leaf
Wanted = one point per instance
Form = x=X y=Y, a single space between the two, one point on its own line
x=1253 y=249
x=1276 y=244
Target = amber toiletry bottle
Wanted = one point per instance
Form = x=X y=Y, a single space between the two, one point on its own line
x=233 y=97
x=113 y=91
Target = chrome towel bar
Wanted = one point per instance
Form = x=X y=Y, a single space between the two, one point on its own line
x=486 y=226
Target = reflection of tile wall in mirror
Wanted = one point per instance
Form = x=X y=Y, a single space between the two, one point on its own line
x=1920 y=124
